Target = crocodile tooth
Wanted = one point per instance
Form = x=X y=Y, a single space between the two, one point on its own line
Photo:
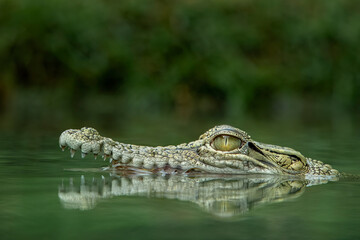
x=95 y=155
x=162 y=172
x=110 y=160
x=82 y=180
x=83 y=154
x=104 y=157
x=63 y=148
x=72 y=152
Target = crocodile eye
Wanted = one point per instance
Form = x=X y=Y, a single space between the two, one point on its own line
x=226 y=143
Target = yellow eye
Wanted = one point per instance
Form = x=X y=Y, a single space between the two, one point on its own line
x=226 y=143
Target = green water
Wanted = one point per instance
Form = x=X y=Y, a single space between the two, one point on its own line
x=33 y=169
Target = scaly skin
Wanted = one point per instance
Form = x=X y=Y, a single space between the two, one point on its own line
x=202 y=155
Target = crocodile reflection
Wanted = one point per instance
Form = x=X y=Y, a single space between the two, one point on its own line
x=221 y=196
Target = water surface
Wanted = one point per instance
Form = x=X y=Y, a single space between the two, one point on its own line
x=35 y=175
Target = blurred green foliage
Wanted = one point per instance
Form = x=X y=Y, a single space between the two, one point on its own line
x=228 y=57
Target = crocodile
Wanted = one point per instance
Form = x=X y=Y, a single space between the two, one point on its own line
x=221 y=150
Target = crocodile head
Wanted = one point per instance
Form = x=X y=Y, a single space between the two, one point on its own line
x=229 y=147
x=223 y=149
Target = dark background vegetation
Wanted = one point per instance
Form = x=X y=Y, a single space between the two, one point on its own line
x=105 y=62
